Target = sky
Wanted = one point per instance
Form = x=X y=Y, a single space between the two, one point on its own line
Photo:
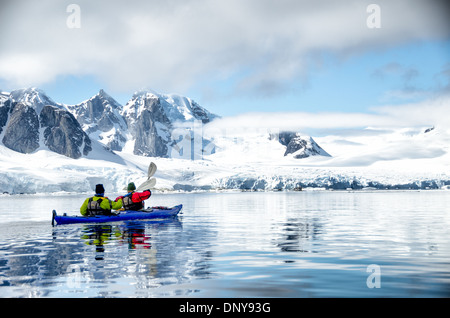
x=284 y=60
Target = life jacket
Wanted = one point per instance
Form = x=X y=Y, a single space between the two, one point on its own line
x=94 y=208
x=128 y=204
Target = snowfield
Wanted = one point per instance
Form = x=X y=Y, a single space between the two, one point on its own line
x=365 y=159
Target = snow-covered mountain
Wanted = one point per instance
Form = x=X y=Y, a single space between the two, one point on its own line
x=299 y=146
x=32 y=97
x=100 y=117
x=152 y=119
x=114 y=144
x=30 y=120
x=149 y=124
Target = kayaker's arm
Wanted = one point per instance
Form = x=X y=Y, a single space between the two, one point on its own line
x=83 y=209
x=111 y=205
x=116 y=205
x=141 y=196
x=119 y=198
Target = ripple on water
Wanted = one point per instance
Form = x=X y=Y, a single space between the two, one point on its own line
x=241 y=245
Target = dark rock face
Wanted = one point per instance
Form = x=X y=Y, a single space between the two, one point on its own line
x=293 y=142
x=29 y=119
x=22 y=130
x=101 y=114
x=5 y=108
x=153 y=121
x=63 y=133
x=301 y=147
x=148 y=142
x=143 y=114
x=201 y=113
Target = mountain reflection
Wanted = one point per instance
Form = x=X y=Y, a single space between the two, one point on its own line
x=298 y=235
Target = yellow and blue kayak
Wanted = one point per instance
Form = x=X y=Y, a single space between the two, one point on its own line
x=150 y=213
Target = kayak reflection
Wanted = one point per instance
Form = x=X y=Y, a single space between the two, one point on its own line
x=134 y=234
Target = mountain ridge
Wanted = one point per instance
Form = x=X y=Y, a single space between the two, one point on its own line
x=150 y=124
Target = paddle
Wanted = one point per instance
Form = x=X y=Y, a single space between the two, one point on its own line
x=150 y=183
x=151 y=170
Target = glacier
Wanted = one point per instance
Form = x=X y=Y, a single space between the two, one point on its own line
x=253 y=165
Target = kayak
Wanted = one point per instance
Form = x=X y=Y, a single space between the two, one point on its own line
x=150 y=213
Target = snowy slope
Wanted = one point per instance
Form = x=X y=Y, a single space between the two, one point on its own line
x=48 y=172
x=399 y=158
x=395 y=159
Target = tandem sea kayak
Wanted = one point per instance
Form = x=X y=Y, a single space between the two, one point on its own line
x=150 y=213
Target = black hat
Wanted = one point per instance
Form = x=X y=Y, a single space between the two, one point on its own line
x=99 y=189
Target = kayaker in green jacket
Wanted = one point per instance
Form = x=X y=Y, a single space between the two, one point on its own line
x=99 y=204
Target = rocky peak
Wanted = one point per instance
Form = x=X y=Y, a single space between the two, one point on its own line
x=152 y=118
x=148 y=124
x=32 y=97
x=182 y=108
x=100 y=116
x=100 y=110
x=299 y=146
x=24 y=113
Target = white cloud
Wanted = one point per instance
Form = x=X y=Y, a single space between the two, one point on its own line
x=432 y=112
x=174 y=44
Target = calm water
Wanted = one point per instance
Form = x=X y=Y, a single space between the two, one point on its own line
x=305 y=244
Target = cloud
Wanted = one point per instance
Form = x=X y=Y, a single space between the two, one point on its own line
x=410 y=82
x=432 y=112
x=173 y=45
x=443 y=79
x=428 y=113
x=396 y=69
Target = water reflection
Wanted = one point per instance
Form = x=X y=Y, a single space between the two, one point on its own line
x=132 y=234
x=299 y=235
x=129 y=258
x=134 y=258
x=97 y=235
x=240 y=245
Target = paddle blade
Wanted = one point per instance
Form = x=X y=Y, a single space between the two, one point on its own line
x=149 y=184
x=151 y=169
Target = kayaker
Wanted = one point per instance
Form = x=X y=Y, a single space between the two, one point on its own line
x=134 y=200
x=99 y=204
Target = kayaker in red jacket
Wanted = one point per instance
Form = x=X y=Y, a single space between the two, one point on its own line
x=134 y=200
